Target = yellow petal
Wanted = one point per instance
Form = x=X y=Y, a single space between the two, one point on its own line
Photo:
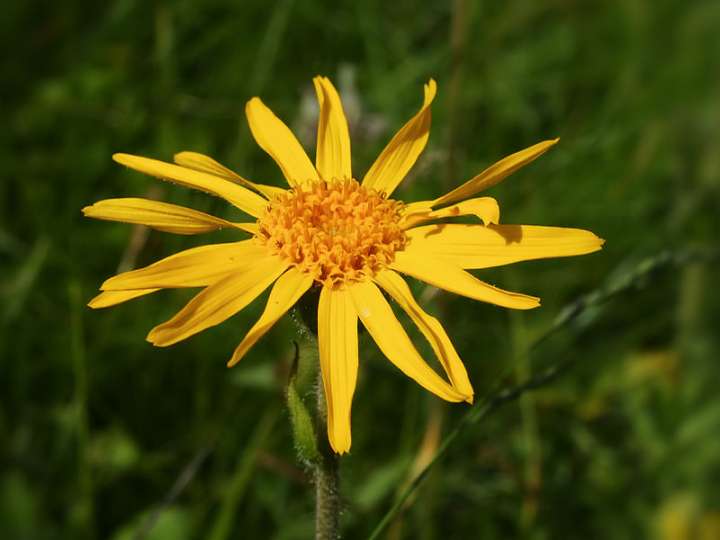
x=218 y=302
x=417 y=207
x=273 y=136
x=112 y=298
x=333 y=139
x=203 y=163
x=431 y=328
x=158 y=215
x=388 y=333
x=421 y=265
x=252 y=228
x=244 y=199
x=485 y=208
x=495 y=173
x=476 y=246
x=403 y=150
x=338 y=347
x=195 y=267
x=285 y=293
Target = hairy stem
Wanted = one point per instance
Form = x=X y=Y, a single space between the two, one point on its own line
x=327 y=487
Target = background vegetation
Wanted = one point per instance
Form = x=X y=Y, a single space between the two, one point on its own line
x=103 y=436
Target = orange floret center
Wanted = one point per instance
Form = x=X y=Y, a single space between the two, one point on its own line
x=339 y=232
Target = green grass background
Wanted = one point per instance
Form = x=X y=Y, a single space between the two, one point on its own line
x=97 y=426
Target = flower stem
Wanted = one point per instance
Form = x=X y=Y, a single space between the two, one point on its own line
x=327 y=485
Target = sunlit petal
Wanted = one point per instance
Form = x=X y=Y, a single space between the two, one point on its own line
x=419 y=264
x=338 y=347
x=195 y=267
x=431 y=328
x=113 y=298
x=218 y=302
x=243 y=198
x=203 y=163
x=403 y=150
x=273 y=136
x=485 y=208
x=476 y=246
x=388 y=333
x=333 y=138
x=158 y=215
x=286 y=291
x=495 y=173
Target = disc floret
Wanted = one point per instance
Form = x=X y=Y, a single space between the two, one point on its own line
x=339 y=232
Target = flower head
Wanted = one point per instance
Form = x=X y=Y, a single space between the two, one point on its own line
x=338 y=232
x=347 y=237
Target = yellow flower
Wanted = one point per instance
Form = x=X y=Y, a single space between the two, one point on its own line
x=347 y=237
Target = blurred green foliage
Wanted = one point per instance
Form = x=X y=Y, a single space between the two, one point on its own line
x=98 y=430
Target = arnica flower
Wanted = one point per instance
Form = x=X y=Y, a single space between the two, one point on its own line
x=349 y=238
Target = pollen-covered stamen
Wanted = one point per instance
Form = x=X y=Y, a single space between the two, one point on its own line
x=338 y=232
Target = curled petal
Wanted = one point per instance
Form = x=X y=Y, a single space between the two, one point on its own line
x=203 y=163
x=403 y=150
x=333 y=138
x=485 y=208
x=495 y=173
x=158 y=215
x=243 y=198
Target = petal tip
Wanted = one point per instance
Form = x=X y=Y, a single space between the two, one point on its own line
x=107 y=284
x=252 y=103
x=233 y=361
x=548 y=143
x=528 y=302
x=162 y=337
x=319 y=90
x=154 y=337
x=121 y=158
x=340 y=447
x=595 y=244
x=430 y=91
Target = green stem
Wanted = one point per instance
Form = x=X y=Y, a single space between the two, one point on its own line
x=327 y=485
